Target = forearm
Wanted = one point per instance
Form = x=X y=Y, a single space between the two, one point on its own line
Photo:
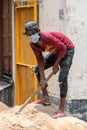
x=41 y=70
x=58 y=61
x=56 y=67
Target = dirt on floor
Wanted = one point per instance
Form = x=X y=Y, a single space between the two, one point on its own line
x=37 y=117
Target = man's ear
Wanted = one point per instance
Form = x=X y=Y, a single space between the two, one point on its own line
x=38 y=30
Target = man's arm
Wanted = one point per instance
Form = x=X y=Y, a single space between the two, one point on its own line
x=56 y=67
x=60 y=47
x=40 y=60
x=41 y=70
x=57 y=44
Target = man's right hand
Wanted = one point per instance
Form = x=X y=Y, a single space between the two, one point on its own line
x=43 y=83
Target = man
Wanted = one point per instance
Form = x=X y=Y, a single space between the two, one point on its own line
x=61 y=51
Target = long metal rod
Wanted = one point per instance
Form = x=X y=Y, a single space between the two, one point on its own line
x=33 y=94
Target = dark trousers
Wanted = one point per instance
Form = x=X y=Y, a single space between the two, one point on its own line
x=65 y=65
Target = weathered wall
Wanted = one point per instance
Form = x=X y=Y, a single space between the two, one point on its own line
x=51 y=16
x=76 y=28
x=6 y=92
x=69 y=17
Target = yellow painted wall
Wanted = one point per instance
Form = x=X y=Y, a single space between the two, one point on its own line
x=26 y=81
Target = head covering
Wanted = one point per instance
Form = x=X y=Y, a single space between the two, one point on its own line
x=31 y=26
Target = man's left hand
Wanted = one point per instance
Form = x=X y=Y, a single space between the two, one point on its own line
x=43 y=83
x=55 y=69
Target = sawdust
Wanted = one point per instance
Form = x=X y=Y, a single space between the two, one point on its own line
x=37 y=117
x=3 y=107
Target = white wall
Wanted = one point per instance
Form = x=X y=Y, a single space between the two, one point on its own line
x=77 y=29
x=74 y=25
x=49 y=15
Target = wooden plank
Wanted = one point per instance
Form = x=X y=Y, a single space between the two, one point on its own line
x=0 y=36
x=7 y=36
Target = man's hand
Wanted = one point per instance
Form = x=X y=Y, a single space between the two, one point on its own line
x=56 y=65
x=55 y=69
x=43 y=83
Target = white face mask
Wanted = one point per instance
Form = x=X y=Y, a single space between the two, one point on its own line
x=34 y=38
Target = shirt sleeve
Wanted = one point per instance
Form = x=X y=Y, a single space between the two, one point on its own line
x=60 y=47
x=38 y=53
x=40 y=60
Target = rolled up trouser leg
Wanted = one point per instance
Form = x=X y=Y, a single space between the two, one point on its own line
x=65 y=65
x=63 y=75
x=63 y=86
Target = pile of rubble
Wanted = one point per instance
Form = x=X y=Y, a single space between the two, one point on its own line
x=37 y=117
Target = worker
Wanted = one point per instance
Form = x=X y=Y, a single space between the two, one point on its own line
x=60 y=56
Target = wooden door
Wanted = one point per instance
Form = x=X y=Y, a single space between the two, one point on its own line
x=6 y=37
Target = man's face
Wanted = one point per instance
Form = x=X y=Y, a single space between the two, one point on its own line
x=33 y=36
x=30 y=32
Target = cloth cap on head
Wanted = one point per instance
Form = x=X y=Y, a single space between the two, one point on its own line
x=31 y=26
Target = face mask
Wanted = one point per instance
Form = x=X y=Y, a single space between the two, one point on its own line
x=34 y=38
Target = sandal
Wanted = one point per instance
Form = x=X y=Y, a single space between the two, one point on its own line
x=39 y=101
x=58 y=114
x=45 y=101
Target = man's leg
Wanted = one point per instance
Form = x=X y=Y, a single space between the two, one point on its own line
x=49 y=62
x=63 y=84
x=63 y=89
x=63 y=77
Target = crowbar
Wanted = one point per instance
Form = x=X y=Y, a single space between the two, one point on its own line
x=33 y=94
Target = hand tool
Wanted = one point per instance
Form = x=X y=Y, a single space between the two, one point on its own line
x=33 y=94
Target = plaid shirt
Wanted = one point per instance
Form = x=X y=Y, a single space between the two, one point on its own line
x=54 y=42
